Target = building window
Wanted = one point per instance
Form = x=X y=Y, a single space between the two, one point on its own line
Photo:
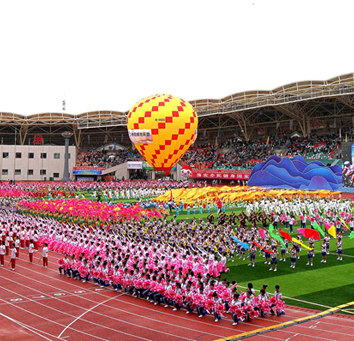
x=17 y=171
x=43 y=155
x=5 y=155
x=56 y=155
x=43 y=172
x=55 y=175
x=5 y=172
x=18 y=155
x=30 y=172
x=31 y=155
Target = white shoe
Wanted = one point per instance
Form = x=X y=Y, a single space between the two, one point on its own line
x=291 y=266
x=268 y=262
x=115 y=289
x=166 y=306
x=338 y=258
x=311 y=264
x=249 y=264
x=234 y=324
x=200 y=316
x=83 y=281
x=187 y=312
x=174 y=309
x=275 y=270
x=298 y=257
x=216 y=320
x=155 y=303
x=152 y=301
x=252 y=265
x=265 y=262
x=307 y=263
x=284 y=260
x=244 y=258
x=324 y=261
x=270 y=269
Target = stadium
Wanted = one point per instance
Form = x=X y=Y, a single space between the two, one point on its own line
x=302 y=109
x=135 y=254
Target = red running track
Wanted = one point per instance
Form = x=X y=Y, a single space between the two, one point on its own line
x=39 y=304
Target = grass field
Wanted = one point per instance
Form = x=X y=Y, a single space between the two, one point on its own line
x=318 y=287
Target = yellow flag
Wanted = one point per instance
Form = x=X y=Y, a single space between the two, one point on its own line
x=346 y=226
x=332 y=231
x=303 y=245
x=346 y=138
x=267 y=141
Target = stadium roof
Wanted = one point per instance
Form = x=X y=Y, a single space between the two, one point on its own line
x=293 y=92
x=301 y=102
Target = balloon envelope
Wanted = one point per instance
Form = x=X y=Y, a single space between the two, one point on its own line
x=162 y=127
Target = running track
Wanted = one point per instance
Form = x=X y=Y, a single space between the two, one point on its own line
x=39 y=304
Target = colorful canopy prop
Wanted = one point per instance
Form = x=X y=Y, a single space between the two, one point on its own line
x=235 y=194
x=300 y=243
x=244 y=245
x=317 y=228
x=262 y=248
x=162 y=128
x=332 y=231
x=285 y=235
x=308 y=233
x=87 y=211
x=275 y=236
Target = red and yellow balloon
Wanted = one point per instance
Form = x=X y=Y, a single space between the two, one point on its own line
x=162 y=127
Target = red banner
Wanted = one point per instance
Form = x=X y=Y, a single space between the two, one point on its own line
x=227 y=174
x=89 y=168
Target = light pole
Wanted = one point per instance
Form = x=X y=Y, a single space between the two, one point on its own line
x=66 y=135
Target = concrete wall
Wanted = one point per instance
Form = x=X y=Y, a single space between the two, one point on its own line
x=50 y=165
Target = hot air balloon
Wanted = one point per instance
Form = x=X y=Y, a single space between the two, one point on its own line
x=162 y=127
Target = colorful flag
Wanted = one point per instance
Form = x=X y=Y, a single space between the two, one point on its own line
x=244 y=245
x=308 y=233
x=317 y=228
x=302 y=244
x=332 y=231
x=285 y=235
x=261 y=232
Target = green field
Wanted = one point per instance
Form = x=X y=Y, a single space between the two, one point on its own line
x=319 y=287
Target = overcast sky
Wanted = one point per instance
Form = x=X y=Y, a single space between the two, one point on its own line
x=107 y=55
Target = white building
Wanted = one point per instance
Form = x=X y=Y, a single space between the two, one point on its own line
x=26 y=163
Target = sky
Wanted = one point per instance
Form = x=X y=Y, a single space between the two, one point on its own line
x=107 y=55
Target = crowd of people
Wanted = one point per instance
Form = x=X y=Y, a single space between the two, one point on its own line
x=106 y=158
x=178 y=264
x=228 y=154
x=326 y=146
x=235 y=152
